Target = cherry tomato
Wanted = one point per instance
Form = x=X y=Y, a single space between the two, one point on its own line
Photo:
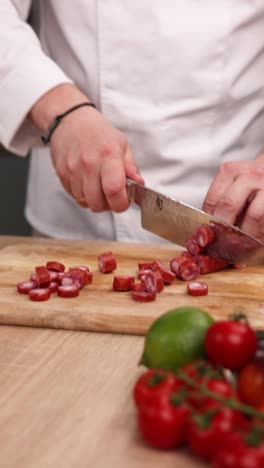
x=250 y=384
x=207 y=432
x=163 y=425
x=237 y=453
x=155 y=385
x=230 y=344
x=218 y=386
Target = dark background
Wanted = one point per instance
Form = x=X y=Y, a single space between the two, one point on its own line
x=13 y=180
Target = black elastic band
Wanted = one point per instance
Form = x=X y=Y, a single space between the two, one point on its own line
x=46 y=138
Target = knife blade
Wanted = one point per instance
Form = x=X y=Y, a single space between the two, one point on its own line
x=175 y=221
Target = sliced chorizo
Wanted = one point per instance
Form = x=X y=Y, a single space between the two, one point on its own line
x=192 y=246
x=167 y=275
x=204 y=235
x=23 y=287
x=39 y=294
x=69 y=290
x=42 y=276
x=209 y=264
x=107 y=262
x=123 y=282
x=197 y=288
x=153 y=282
x=143 y=296
x=188 y=270
x=55 y=266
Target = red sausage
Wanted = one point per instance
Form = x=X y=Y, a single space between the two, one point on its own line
x=144 y=265
x=81 y=267
x=53 y=286
x=42 y=276
x=204 y=235
x=192 y=246
x=79 y=276
x=210 y=265
x=53 y=275
x=153 y=282
x=143 y=296
x=85 y=275
x=167 y=275
x=138 y=287
x=176 y=261
x=39 y=294
x=123 y=282
x=197 y=288
x=188 y=270
x=23 y=287
x=66 y=280
x=70 y=290
x=106 y=262
x=56 y=266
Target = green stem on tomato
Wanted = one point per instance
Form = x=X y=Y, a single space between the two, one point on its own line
x=230 y=402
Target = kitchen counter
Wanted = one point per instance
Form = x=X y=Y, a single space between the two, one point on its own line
x=65 y=398
x=66 y=402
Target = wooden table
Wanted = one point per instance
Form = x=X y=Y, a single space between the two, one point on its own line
x=66 y=402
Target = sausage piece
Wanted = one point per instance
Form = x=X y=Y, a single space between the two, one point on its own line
x=144 y=265
x=138 y=287
x=209 y=264
x=69 y=290
x=55 y=266
x=197 y=288
x=123 y=282
x=192 y=246
x=188 y=270
x=167 y=275
x=23 y=287
x=204 y=235
x=153 y=282
x=176 y=261
x=107 y=262
x=143 y=296
x=39 y=294
x=42 y=276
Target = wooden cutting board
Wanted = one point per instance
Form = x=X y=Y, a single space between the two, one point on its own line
x=98 y=308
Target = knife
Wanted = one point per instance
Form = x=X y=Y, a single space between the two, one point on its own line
x=176 y=221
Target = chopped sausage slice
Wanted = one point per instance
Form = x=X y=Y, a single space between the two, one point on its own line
x=197 y=288
x=138 y=287
x=42 y=276
x=142 y=273
x=153 y=282
x=123 y=282
x=143 y=296
x=66 y=280
x=107 y=262
x=69 y=290
x=192 y=246
x=176 y=261
x=167 y=275
x=53 y=286
x=23 y=287
x=204 y=235
x=56 y=266
x=144 y=265
x=54 y=275
x=188 y=270
x=210 y=265
x=39 y=294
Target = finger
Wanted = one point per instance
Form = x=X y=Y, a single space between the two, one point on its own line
x=113 y=179
x=221 y=182
x=131 y=168
x=92 y=190
x=253 y=221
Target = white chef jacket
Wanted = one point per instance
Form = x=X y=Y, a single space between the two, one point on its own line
x=184 y=80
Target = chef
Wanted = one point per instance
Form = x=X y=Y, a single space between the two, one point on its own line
x=170 y=94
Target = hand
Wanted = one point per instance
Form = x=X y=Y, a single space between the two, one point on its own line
x=236 y=195
x=91 y=157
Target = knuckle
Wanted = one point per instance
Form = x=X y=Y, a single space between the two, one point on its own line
x=209 y=206
x=71 y=166
x=254 y=216
x=227 y=204
x=228 y=167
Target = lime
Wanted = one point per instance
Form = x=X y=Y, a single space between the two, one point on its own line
x=176 y=338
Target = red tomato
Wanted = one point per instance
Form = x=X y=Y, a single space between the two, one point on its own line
x=154 y=386
x=230 y=344
x=208 y=432
x=238 y=454
x=163 y=426
x=250 y=384
x=200 y=368
x=219 y=386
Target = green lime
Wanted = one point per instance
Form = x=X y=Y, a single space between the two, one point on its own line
x=176 y=338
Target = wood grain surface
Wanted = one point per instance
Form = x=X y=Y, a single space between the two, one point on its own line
x=98 y=308
x=65 y=402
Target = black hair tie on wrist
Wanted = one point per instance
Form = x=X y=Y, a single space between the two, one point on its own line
x=46 y=138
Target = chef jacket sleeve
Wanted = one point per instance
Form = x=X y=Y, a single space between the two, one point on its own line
x=26 y=73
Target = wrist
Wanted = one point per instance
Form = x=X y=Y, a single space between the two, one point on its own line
x=55 y=102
